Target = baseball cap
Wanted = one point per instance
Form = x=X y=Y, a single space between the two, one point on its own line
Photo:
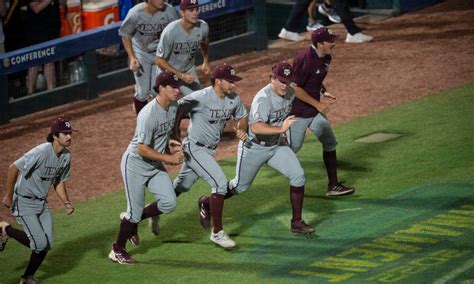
x=188 y=4
x=283 y=71
x=61 y=125
x=323 y=34
x=226 y=72
x=167 y=78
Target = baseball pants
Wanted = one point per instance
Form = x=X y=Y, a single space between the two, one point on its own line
x=145 y=76
x=251 y=159
x=320 y=127
x=200 y=163
x=158 y=183
x=39 y=229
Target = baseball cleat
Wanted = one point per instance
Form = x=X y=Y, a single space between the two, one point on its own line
x=339 y=189
x=133 y=238
x=358 y=38
x=154 y=225
x=300 y=227
x=3 y=235
x=289 y=35
x=222 y=239
x=121 y=257
x=28 y=280
x=204 y=213
x=330 y=13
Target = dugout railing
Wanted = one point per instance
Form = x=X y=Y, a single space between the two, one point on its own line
x=235 y=27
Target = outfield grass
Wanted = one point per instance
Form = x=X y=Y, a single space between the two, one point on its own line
x=411 y=219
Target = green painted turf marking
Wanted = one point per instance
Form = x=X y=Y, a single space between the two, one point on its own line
x=407 y=236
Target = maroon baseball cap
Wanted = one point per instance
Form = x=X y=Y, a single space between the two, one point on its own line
x=283 y=71
x=167 y=78
x=323 y=35
x=188 y=4
x=61 y=125
x=226 y=72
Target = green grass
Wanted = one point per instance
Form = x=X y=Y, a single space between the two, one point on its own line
x=400 y=183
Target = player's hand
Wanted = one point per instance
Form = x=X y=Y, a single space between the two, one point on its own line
x=8 y=201
x=289 y=121
x=174 y=146
x=187 y=78
x=323 y=107
x=134 y=65
x=206 y=68
x=329 y=96
x=69 y=208
x=176 y=158
x=240 y=134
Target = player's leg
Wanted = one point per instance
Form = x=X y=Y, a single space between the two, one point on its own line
x=322 y=129
x=39 y=239
x=143 y=81
x=250 y=158
x=201 y=160
x=284 y=161
x=296 y=133
x=162 y=189
x=134 y=185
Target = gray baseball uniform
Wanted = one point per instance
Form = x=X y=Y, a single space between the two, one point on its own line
x=272 y=109
x=154 y=125
x=39 y=169
x=145 y=31
x=179 y=48
x=208 y=117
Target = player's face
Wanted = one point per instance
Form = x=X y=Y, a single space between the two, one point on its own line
x=226 y=87
x=326 y=47
x=279 y=87
x=63 y=139
x=158 y=4
x=170 y=93
x=191 y=15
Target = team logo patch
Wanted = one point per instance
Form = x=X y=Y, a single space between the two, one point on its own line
x=232 y=72
x=6 y=62
x=175 y=78
x=287 y=72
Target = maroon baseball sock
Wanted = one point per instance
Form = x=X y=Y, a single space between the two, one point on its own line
x=151 y=211
x=217 y=206
x=330 y=161
x=18 y=235
x=138 y=105
x=296 y=198
x=35 y=261
x=126 y=229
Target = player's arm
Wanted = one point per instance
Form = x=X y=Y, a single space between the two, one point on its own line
x=149 y=153
x=262 y=128
x=301 y=94
x=3 y=8
x=12 y=176
x=164 y=65
x=206 y=68
x=241 y=129
x=38 y=6
x=127 y=44
x=60 y=189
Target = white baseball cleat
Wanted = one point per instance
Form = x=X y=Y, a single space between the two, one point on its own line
x=284 y=34
x=330 y=13
x=358 y=38
x=222 y=239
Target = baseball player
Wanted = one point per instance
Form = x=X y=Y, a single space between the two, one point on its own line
x=28 y=182
x=268 y=121
x=142 y=164
x=140 y=32
x=209 y=110
x=311 y=66
x=179 y=43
